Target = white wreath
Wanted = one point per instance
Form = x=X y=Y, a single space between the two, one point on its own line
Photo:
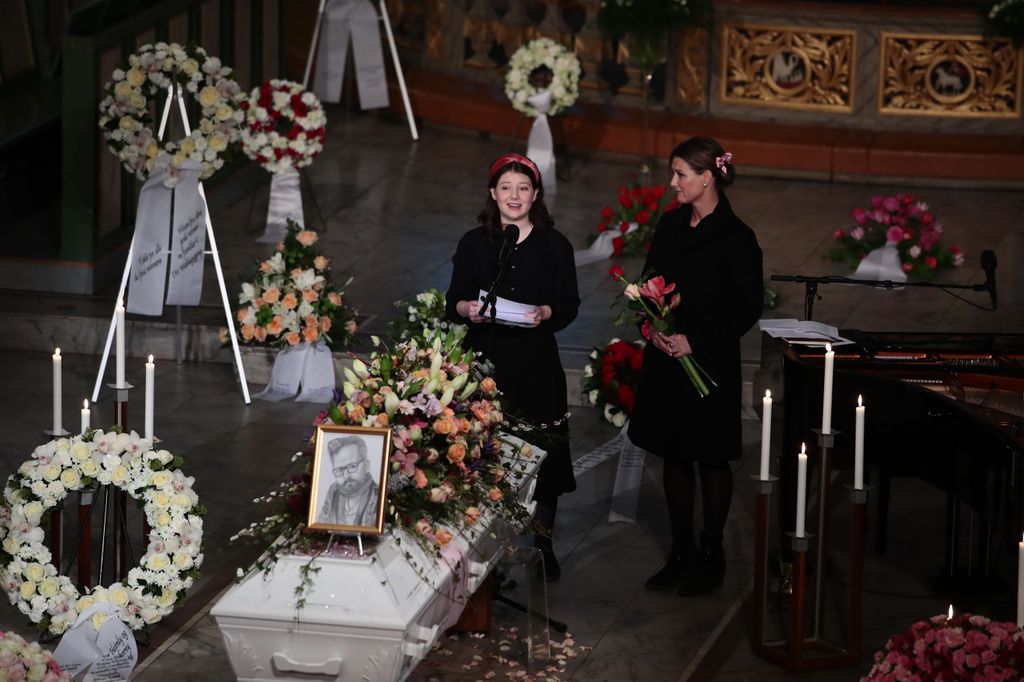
x=284 y=125
x=167 y=569
x=565 y=80
x=127 y=123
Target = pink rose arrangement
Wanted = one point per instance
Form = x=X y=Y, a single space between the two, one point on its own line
x=964 y=647
x=649 y=307
x=290 y=298
x=641 y=205
x=904 y=222
x=20 y=660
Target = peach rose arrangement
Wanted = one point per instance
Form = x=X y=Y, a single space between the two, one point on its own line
x=290 y=298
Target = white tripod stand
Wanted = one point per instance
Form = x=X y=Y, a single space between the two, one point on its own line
x=174 y=92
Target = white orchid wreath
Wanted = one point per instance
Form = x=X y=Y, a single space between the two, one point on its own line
x=284 y=125
x=565 y=78
x=126 y=120
x=126 y=461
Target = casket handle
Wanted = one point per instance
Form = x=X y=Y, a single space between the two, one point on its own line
x=425 y=635
x=285 y=663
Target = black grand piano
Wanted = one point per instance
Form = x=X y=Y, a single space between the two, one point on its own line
x=945 y=408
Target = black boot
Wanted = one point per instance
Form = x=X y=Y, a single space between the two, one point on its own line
x=552 y=571
x=670 y=575
x=706 y=573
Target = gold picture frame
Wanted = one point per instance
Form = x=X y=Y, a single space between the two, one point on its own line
x=350 y=471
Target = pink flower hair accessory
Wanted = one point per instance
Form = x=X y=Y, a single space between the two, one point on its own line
x=722 y=160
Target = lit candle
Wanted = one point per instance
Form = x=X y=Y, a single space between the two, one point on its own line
x=1020 y=584
x=950 y=616
x=119 y=316
x=826 y=403
x=801 y=490
x=85 y=415
x=766 y=432
x=858 y=447
x=57 y=417
x=150 y=369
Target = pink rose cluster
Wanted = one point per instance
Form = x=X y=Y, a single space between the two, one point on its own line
x=20 y=660
x=903 y=222
x=964 y=647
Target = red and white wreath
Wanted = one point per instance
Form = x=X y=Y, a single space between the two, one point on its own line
x=284 y=126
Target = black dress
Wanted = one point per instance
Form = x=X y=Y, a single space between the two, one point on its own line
x=528 y=370
x=716 y=266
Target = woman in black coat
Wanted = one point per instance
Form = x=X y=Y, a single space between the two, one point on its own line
x=715 y=262
x=541 y=272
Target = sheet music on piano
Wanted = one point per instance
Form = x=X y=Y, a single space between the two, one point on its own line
x=803 y=332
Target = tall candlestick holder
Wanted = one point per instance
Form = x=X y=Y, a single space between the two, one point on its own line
x=804 y=646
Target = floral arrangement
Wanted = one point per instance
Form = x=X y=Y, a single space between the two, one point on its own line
x=291 y=299
x=565 y=78
x=447 y=465
x=1005 y=19
x=902 y=221
x=20 y=660
x=421 y=315
x=610 y=379
x=645 y=23
x=648 y=306
x=126 y=120
x=128 y=462
x=637 y=214
x=962 y=647
x=283 y=127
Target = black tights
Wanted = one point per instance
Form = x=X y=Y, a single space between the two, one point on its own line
x=716 y=496
x=544 y=519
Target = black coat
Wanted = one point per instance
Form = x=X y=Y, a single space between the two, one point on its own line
x=527 y=367
x=716 y=266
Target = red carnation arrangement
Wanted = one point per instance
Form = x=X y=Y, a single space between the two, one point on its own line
x=283 y=127
x=635 y=217
x=611 y=377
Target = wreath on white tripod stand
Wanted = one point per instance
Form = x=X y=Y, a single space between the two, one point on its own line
x=126 y=120
x=284 y=125
x=127 y=462
x=565 y=76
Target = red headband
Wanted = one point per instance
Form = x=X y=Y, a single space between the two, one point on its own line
x=517 y=158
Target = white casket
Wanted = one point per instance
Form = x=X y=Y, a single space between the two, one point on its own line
x=366 y=618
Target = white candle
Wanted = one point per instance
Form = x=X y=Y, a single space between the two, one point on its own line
x=801 y=490
x=85 y=415
x=150 y=370
x=1020 y=584
x=119 y=316
x=766 y=432
x=950 y=616
x=826 y=402
x=58 y=419
x=858 y=447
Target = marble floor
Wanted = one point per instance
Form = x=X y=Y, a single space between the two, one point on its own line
x=393 y=211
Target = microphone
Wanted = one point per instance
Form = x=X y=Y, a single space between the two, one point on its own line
x=988 y=264
x=511 y=236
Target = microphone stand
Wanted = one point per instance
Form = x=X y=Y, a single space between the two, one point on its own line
x=811 y=286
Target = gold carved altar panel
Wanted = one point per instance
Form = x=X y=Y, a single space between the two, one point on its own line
x=949 y=75
x=797 y=68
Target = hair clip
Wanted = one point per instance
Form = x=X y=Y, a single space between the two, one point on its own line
x=722 y=160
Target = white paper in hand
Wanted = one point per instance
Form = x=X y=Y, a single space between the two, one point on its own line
x=107 y=655
x=511 y=313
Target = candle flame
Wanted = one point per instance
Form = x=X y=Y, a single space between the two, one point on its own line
x=151 y=359
x=950 y=611
x=860 y=401
x=56 y=351
x=828 y=347
x=768 y=393
x=85 y=404
x=803 y=448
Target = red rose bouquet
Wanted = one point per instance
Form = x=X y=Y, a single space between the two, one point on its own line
x=963 y=647
x=611 y=377
x=635 y=218
x=649 y=306
x=904 y=222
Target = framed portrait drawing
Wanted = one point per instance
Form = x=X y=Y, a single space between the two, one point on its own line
x=350 y=469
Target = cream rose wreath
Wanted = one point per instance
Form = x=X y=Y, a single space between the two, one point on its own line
x=565 y=78
x=284 y=125
x=126 y=461
x=126 y=120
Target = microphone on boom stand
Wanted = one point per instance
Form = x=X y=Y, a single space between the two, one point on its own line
x=988 y=264
x=509 y=238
